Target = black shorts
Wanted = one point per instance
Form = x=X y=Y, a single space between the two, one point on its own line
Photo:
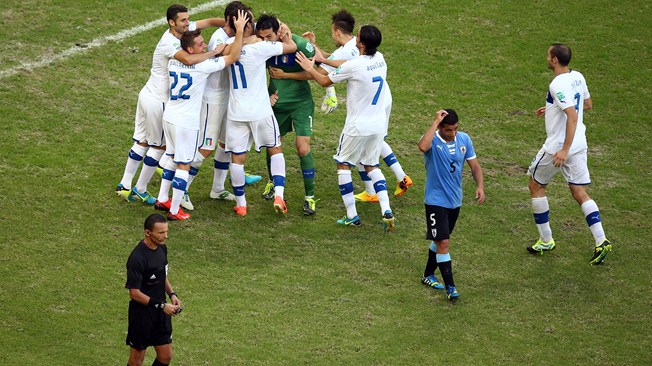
x=148 y=327
x=440 y=222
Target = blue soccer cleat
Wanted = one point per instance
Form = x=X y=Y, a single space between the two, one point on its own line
x=349 y=222
x=451 y=293
x=144 y=197
x=432 y=282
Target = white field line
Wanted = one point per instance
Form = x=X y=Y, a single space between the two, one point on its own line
x=75 y=49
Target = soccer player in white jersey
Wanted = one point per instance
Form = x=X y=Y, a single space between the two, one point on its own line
x=342 y=27
x=182 y=112
x=366 y=120
x=250 y=119
x=565 y=150
x=149 y=142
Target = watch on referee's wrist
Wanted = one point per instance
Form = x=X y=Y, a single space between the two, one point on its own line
x=172 y=294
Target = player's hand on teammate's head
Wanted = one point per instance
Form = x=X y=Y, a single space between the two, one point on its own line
x=284 y=31
x=304 y=61
x=309 y=36
x=241 y=21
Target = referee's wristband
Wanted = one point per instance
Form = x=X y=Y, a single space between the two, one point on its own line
x=172 y=294
x=156 y=304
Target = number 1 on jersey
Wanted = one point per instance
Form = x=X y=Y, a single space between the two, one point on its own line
x=243 y=79
x=377 y=79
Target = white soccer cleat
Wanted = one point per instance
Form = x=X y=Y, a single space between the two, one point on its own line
x=185 y=202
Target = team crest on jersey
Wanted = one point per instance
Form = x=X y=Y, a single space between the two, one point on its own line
x=284 y=59
x=209 y=141
x=433 y=232
x=561 y=97
x=463 y=149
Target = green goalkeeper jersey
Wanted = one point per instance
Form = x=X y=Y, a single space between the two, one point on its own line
x=291 y=91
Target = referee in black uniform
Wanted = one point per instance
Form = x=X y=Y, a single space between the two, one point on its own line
x=150 y=322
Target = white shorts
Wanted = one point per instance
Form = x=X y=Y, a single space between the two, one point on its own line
x=149 y=119
x=575 y=170
x=359 y=149
x=241 y=135
x=181 y=143
x=212 y=129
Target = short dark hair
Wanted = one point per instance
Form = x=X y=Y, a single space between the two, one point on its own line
x=370 y=37
x=152 y=220
x=266 y=21
x=344 y=21
x=188 y=39
x=562 y=52
x=174 y=10
x=451 y=118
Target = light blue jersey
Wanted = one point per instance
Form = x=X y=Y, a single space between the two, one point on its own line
x=444 y=162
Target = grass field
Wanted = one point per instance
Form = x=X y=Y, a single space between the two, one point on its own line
x=296 y=290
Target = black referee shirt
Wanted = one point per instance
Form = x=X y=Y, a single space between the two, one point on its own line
x=147 y=270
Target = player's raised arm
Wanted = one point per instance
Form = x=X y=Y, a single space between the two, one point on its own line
x=236 y=46
x=309 y=65
x=286 y=38
x=210 y=23
x=425 y=143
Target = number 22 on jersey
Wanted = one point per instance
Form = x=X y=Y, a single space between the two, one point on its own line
x=174 y=95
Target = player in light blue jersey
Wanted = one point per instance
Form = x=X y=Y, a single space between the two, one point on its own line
x=445 y=150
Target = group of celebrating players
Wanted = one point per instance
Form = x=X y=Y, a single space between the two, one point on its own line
x=210 y=97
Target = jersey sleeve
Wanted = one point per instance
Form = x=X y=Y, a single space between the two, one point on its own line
x=343 y=72
x=213 y=64
x=134 y=273
x=562 y=96
x=470 y=150
x=270 y=49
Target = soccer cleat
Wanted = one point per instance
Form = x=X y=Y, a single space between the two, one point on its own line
x=432 y=282
x=451 y=293
x=329 y=103
x=309 y=206
x=366 y=197
x=600 y=252
x=268 y=193
x=540 y=247
x=222 y=195
x=403 y=186
x=347 y=221
x=279 y=205
x=163 y=206
x=146 y=198
x=185 y=202
x=123 y=192
x=389 y=223
x=180 y=216
x=252 y=179
x=240 y=210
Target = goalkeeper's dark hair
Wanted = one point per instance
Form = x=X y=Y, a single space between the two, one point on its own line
x=267 y=21
x=174 y=10
x=152 y=220
x=370 y=37
x=451 y=119
x=188 y=39
x=344 y=21
x=562 y=52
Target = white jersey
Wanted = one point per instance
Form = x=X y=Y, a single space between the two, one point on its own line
x=187 y=84
x=248 y=96
x=217 y=84
x=566 y=90
x=367 y=94
x=348 y=51
x=165 y=50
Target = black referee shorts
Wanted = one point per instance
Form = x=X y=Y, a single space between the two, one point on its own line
x=148 y=327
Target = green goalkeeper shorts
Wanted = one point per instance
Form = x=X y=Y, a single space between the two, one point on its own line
x=295 y=117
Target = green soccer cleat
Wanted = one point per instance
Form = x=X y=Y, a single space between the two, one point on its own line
x=389 y=223
x=432 y=282
x=268 y=193
x=123 y=192
x=349 y=222
x=600 y=252
x=309 y=206
x=540 y=247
